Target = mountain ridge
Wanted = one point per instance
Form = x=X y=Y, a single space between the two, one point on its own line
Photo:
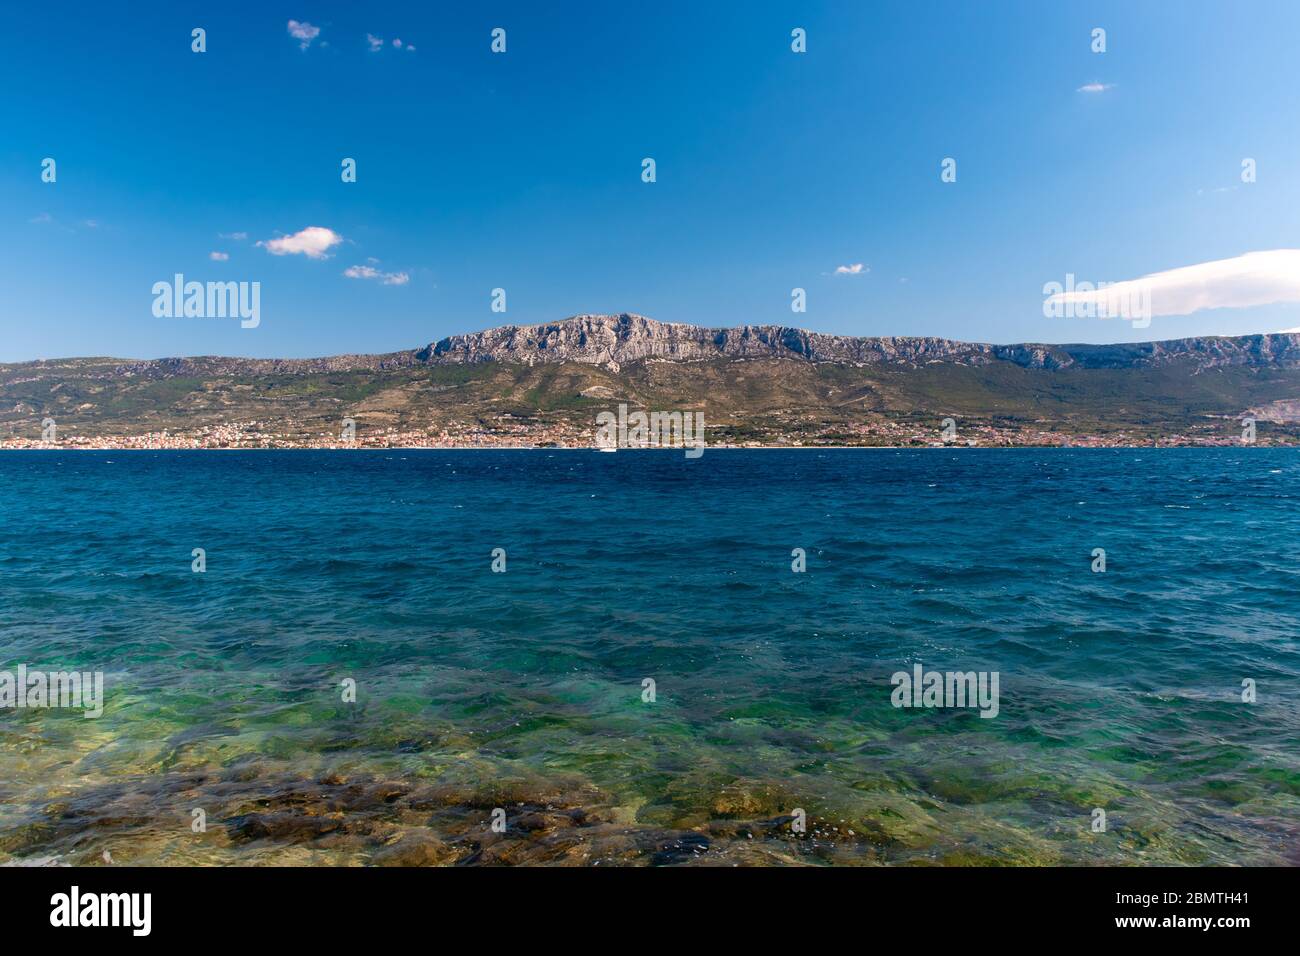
x=615 y=340
x=757 y=384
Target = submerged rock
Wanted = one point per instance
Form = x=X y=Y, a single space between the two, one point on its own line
x=415 y=848
x=284 y=827
x=687 y=846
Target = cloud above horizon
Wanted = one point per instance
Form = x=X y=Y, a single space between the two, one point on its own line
x=45 y=219
x=856 y=269
x=303 y=31
x=313 y=242
x=218 y=256
x=376 y=44
x=1255 y=278
x=369 y=272
x=1095 y=88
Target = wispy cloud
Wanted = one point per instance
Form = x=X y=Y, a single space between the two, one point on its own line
x=369 y=272
x=856 y=269
x=1095 y=88
x=313 y=242
x=45 y=219
x=218 y=256
x=376 y=43
x=303 y=32
x=1256 y=278
x=232 y=235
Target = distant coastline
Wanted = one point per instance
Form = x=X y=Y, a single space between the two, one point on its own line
x=671 y=451
x=756 y=386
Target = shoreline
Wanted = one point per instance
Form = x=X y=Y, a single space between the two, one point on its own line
x=593 y=448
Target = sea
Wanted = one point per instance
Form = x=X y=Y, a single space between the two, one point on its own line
x=565 y=657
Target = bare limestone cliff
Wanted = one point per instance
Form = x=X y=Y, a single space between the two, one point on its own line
x=616 y=340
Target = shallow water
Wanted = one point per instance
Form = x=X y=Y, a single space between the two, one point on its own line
x=523 y=690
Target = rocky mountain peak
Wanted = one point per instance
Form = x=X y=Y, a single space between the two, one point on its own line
x=615 y=340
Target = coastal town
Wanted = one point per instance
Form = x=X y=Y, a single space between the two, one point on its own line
x=517 y=433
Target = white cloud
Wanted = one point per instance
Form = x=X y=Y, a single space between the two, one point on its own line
x=1295 y=331
x=303 y=31
x=856 y=269
x=232 y=235
x=218 y=256
x=312 y=242
x=377 y=43
x=1256 y=278
x=367 y=272
x=1095 y=88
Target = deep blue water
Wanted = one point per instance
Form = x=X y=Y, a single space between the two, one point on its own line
x=1119 y=690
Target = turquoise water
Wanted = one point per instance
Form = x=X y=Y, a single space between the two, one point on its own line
x=523 y=690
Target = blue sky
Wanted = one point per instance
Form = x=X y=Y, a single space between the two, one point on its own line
x=523 y=170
